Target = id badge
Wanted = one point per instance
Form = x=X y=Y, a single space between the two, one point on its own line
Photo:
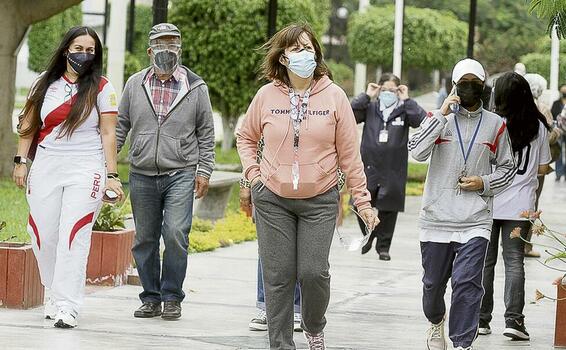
x=398 y=122
x=383 y=136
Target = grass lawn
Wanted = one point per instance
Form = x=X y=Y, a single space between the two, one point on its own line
x=230 y=157
x=14 y=211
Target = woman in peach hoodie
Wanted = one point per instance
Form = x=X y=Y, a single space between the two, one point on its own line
x=309 y=131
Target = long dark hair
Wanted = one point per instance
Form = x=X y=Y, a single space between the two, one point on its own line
x=515 y=102
x=87 y=86
x=271 y=69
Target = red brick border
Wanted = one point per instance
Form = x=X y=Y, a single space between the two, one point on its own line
x=110 y=257
x=20 y=284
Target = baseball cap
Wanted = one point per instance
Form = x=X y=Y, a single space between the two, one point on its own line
x=468 y=66
x=163 y=29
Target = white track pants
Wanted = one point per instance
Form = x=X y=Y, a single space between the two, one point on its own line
x=64 y=194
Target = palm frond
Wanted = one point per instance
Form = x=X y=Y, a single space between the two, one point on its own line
x=552 y=10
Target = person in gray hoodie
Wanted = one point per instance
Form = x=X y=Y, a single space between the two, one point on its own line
x=167 y=109
x=471 y=160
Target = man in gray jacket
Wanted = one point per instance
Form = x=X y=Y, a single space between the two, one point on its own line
x=167 y=109
x=470 y=161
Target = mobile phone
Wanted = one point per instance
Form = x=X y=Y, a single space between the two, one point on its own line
x=454 y=107
x=110 y=196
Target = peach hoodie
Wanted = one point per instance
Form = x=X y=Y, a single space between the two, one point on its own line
x=328 y=139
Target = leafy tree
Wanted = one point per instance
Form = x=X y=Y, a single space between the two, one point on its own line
x=142 y=25
x=342 y=75
x=15 y=18
x=431 y=39
x=220 y=42
x=505 y=28
x=540 y=63
x=44 y=37
x=552 y=10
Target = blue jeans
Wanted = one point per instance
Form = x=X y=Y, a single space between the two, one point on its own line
x=162 y=207
x=260 y=303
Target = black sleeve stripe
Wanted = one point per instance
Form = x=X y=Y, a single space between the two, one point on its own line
x=423 y=134
x=508 y=177
x=419 y=138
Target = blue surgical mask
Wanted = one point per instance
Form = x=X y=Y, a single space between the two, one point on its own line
x=388 y=98
x=302 y=63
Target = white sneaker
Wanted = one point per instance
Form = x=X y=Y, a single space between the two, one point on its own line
x=65 y=320
x=435 y=337
x=259 y=323
x=297 y=322
x=484 y=328
x=50 y=309
x=461 y=348
x=315 y=341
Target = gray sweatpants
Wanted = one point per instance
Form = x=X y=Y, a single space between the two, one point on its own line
x=294 y=237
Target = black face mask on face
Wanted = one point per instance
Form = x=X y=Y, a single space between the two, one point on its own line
x=470 y=93
x=80 y=61
x=563 y=95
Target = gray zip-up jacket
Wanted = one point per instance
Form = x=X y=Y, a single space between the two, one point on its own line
x=444 y=207
x=184 y=139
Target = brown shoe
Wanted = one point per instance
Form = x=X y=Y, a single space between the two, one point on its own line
x=171 y=310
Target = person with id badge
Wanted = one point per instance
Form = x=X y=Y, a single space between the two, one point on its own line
x=387 y=113
x=471 y=160
x=309 y=131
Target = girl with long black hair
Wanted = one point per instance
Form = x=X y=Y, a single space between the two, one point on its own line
x=528 y=130
x=68 y=127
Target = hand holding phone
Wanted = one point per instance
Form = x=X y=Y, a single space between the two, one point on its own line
x=451 y=103
x=110 y=196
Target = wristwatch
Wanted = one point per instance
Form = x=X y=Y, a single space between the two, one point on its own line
x=20 y=160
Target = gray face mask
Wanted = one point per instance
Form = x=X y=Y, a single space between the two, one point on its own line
x=165 y=61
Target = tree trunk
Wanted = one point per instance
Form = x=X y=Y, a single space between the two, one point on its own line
x=7 y=95
x=15 y=17
x=228 y=128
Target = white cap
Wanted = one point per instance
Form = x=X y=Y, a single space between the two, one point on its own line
x=537 y=83
x=467 y=66
x=520 y=69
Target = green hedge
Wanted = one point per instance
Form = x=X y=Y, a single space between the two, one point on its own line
x=233 y=229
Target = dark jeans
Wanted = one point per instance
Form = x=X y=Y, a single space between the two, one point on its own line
x=463 y=263
x=162 y=207
x=513 y=256
x=260 y=303
x=560 y=164
x=383 y=231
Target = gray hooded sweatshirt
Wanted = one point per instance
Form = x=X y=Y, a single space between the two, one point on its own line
x=444 y=207
x=184 y=139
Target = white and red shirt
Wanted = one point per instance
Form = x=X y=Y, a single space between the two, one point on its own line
x=521 y=195
x=59 y=99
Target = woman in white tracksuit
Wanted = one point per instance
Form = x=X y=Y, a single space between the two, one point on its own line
x=68 y=128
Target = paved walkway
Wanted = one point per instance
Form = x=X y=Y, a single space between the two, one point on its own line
x=374 y=305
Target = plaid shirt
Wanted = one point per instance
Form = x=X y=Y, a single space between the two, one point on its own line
x=163 y=93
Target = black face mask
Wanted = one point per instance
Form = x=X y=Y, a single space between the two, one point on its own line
x=80 y=61
x=470 y=93
x=563 y=95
